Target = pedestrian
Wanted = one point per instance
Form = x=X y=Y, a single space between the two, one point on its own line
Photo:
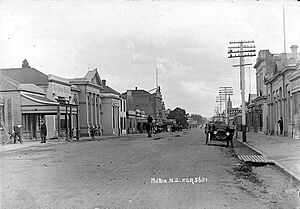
x=93 y=133
x=149 y=125
x=280 y=123
x=17 y=133
x=43 y=131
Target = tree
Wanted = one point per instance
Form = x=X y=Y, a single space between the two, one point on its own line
x=198 y=118
x=180 y=116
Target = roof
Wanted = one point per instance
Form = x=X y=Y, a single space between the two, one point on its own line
x=139 y=92
x=136 y=92
x=90 y=74
x=31 y=87
x=107 y=89
x=26 y=75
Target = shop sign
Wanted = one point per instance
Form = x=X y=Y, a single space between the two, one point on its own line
x=60 y=89
x=296 y=84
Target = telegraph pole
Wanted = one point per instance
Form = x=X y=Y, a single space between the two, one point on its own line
x=219 y=99
x=225 y=91
x=242 y=51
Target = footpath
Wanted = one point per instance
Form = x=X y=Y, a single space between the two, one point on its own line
x=30 y=144
x=284 y=151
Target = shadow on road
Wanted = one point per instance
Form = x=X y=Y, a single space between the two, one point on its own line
x=217 y=145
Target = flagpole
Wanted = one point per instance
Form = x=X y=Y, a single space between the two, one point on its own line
x=284 y=37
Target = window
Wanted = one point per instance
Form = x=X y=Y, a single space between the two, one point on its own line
x=25 y=122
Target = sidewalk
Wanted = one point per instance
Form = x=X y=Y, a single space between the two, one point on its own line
x=28 y=144
x=283 y=150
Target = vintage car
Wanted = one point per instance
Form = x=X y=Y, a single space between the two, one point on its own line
x=219 y=131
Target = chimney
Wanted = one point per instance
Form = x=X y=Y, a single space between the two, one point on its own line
x=103 y=83
x=136 y=88
x=294 y=52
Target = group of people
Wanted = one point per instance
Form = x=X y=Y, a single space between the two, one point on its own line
x=18 y=136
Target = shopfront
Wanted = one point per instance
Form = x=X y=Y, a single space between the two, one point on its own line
x=295 y=103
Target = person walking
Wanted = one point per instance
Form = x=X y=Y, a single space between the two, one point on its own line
x=149 y=125
x=17 y=133
x=43 y=131
x=280 y=123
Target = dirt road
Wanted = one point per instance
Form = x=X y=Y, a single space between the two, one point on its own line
x=171 y=170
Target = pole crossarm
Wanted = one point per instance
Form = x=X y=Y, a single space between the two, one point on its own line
x=241 y=65
x=244 y=47
x=239 y=51
x=243 y=55
x=240 y=42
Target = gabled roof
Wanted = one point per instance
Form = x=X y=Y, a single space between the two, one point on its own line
x=93 y=77
x=26 y=75
x=109 y=90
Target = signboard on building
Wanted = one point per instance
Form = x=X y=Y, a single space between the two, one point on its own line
x=296 y=85
x=234 y=111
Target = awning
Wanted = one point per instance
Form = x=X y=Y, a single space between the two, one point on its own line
x=39 y=99
x=32 y=103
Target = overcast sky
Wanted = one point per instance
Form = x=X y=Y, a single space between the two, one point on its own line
x=127 y=40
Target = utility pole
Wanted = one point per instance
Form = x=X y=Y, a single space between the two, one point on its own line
x=220 y=99
x=239 y=49
x=225 y=91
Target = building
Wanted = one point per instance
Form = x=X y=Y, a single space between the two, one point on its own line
x=151 y=103
x=67 y=118
x=279 y=92
x=295 y=102
x=265 y=62
x=23 y=102
x=114 y=111
x=36 y=96
x=253 y=115
x=274 y=76
x=90 y=102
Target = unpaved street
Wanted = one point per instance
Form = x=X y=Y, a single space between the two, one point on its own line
x=125 y=173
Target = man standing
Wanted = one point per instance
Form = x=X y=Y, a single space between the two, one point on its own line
x=43 y=131
x=149 y=125
x=17 y=133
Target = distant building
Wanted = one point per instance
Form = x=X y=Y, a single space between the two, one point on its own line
x=144 y=103
x=151 y=103
x=253 y=116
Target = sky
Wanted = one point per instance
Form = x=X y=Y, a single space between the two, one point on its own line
x=186 y=41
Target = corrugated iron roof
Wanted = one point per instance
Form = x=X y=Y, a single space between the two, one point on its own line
x=26 y=75
x=110 y=90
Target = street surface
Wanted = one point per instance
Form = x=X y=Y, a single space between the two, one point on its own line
x=128 y=172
